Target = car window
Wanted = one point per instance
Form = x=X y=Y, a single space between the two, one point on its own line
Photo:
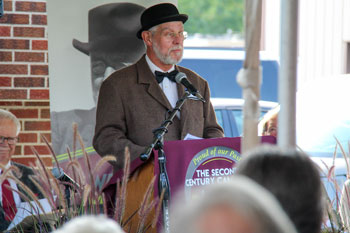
x=219 y=118
x=238 y=116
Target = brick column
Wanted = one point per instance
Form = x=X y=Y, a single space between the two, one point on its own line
x=24 y=75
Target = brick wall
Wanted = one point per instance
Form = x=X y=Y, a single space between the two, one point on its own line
x=24 y=74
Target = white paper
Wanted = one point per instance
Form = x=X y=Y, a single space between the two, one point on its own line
x=191 y=137
x=25 y=209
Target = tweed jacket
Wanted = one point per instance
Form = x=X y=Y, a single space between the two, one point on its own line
x=131 y=104
x=25 y=172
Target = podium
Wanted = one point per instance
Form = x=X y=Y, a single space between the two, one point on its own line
x=194 y=164
x=190 y=164
x=197 y=163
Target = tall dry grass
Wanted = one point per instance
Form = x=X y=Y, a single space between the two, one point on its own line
x=338 y=209
x=85 y=199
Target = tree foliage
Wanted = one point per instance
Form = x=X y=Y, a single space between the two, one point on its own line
x=213 y=17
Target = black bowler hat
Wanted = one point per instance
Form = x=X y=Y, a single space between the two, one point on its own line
x=110 y=26
x=160 y=13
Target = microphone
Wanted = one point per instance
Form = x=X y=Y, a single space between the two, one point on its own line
x=181 y=78
x=62 y=176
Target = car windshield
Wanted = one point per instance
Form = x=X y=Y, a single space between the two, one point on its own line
x=322 y=117
x=321 y=141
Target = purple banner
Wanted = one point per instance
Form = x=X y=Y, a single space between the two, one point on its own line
x=197 y=163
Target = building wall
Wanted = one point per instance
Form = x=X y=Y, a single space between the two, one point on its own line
x=321 y=44
x=324 y=36
x=24 y=75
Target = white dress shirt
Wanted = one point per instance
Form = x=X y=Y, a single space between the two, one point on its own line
x=169 y=88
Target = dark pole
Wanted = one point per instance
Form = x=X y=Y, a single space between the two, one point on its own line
x=163 y=186
x=159 y=133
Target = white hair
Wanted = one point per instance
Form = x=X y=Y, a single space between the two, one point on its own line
x=152 y=30
x=90 y=224
x=272 y=113
x=245 y=197
x=6 y=115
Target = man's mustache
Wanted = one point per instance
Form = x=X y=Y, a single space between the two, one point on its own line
x=176 y=47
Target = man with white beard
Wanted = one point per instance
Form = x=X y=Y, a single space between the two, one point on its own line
x=134 y=100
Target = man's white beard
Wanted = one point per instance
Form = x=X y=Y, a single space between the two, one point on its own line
x=166 y=58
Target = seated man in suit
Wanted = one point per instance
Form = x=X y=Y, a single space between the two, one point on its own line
x=10 y=199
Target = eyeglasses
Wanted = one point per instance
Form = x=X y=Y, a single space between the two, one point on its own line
x=172 y=35
x=10 y=140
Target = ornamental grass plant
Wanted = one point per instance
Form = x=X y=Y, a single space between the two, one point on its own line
x=338 y=209
x=67 y=200
x=87 y=199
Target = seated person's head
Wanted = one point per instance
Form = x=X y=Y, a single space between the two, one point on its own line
x=238 y=206
x=293 y=178
x=268 y=124
x=9 y=130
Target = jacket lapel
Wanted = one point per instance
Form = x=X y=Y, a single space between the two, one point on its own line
x=145 y=77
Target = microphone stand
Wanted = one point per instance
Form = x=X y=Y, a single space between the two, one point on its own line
x=163 y=186
x=158 y=139
x=159 y=133
x=67 y=194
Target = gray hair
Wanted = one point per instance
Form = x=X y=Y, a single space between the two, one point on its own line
x=4 y=114
x=153 y=29
x=90 y=224
x=244 y=197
